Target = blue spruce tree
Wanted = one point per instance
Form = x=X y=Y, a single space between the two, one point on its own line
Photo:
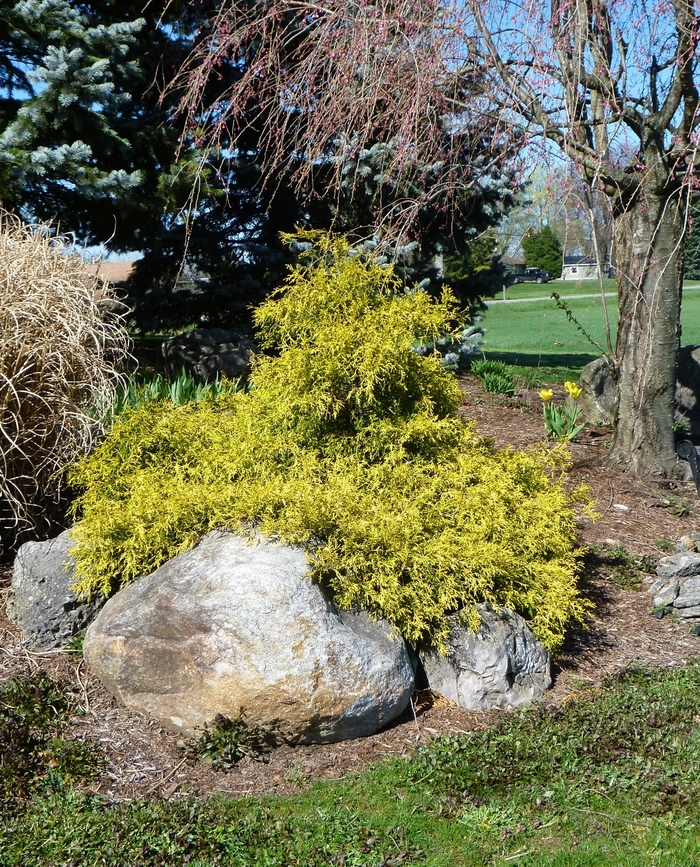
x=67 y=124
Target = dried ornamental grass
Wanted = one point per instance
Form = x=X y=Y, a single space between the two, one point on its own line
x=61 y=345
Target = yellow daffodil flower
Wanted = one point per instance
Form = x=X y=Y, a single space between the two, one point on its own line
x=546 y=394
x=572 y=389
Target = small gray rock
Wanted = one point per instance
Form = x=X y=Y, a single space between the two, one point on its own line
x=598 y=398
x=664 y=591
x=688 y=594
x=687 y=613
x=501 y=665
x=233 y=625
x=688 y=542
x=42 y=603
x=679 y=566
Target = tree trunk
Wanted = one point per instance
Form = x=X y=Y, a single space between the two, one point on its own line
x=648 y=257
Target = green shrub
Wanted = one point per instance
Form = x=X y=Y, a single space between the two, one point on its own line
x=495 y=376
x=348 y=443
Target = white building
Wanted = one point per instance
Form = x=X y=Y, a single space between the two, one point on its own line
x=584 y=268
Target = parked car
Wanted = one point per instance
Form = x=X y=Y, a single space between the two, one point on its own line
x=531 y=275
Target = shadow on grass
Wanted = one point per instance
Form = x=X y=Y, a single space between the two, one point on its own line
x=572 y=361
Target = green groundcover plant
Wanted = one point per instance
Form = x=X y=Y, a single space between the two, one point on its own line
x=348 y=443
x=608 y=779
x=34 y=712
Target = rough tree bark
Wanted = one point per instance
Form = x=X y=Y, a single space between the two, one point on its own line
x=648 y=239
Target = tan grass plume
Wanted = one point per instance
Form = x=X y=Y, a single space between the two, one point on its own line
x=62 y=344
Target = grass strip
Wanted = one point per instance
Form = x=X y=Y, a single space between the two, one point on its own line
x=540 y=331
x=609 y=779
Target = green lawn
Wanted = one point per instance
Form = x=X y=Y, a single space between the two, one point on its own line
x=609 y=780
x=563 y=287
x=567 y=288
x=538 y=333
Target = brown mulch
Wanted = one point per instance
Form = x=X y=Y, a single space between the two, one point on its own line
x=146 y=760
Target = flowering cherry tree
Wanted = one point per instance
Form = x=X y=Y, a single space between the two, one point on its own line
x=354 y=100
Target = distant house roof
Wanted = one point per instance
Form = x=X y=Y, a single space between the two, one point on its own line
x=580 y=260
x=511 y=260
x=114 y=272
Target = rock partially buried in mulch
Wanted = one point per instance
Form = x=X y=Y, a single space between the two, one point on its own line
x=678 y=584
x=208 y=353
x=41 y=602
x=689 y=542
x=665 y=591
x=501 y=665
x=598 y=397
x=232 y=625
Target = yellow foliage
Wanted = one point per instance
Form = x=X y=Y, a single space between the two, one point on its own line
x=349 y=445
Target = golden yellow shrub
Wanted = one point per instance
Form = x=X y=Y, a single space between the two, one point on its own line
x=348 y=444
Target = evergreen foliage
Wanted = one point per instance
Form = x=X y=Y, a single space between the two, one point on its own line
x=543 y=250
x=234 y=248
x=691 y=247
x=452 y=248
x=89 y=141
x=349 y=444
x=474 y=269
x=69 y=123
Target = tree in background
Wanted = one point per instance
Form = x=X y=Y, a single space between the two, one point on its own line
x=454 y=248
x=354 y=107
x=554 y=195
x=87 y=140
x=613 y=87
x=79 y=144
x=543 y=250
x=691 y=247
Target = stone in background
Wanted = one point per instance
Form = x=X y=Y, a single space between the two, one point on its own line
x=41 y=602
x=208 y=353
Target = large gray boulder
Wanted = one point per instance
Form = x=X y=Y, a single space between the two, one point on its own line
x=233 y=625
x=42 y=603
x=500 y=665
x=208 y=353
